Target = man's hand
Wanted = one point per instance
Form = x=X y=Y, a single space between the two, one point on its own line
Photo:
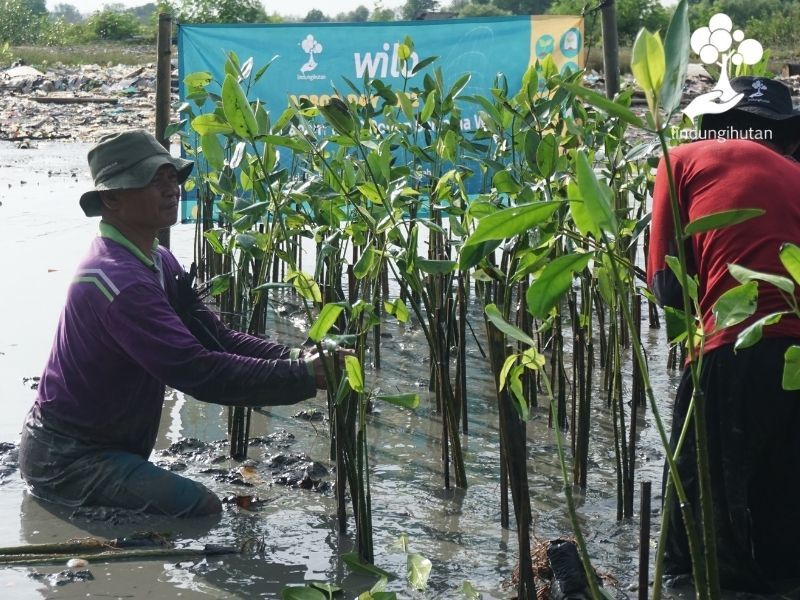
x=312 y=356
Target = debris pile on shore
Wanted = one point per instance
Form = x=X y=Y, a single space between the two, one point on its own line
x=75 y=103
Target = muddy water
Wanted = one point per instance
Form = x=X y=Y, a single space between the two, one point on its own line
x=44 y=235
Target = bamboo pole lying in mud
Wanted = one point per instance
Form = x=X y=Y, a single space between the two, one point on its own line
x=39 y=558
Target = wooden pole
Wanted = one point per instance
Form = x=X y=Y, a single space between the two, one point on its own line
x=644 y=541
x=163 y=90
x=608 y=17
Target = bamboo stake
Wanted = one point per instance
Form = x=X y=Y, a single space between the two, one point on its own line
x=114 y=555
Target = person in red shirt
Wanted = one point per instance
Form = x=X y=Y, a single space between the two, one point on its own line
x=743 y=160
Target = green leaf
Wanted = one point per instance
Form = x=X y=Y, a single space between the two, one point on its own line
x=470 y=592
x=553 y=282
x=366 y=263
x=327 y=317
x=305 y=285
x=398 y=309
x=648 y=62
x=220 y=284
x=533 y=359
x=237 y=109
x=546 y=155
x=403 y=400
x=352 y=561
x=301 y=592
x=743 y=275
x=337 y=113
x=504 y=182
x=405 y=105
x=198 y=79
x=419 y=569
x=210 y=123
x=725 y=218
x=596 y=198
x=435 y=267
x=501 y=225
x=676 y=48
x=614 y=109
x=212 y=150
x=510 y=330
x=790 y=258
x=735 y=305
x=517 y=392
x=428 y=107
x=675 y=266
x=752 y=334
x=791 y=368
x=353 y=368
x=510 y=361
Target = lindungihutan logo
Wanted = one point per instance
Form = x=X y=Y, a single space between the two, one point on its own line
x=719 y=44
x=310 y=46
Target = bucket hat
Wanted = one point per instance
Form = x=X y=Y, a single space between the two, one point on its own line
x=766 y=98
x=127 y=160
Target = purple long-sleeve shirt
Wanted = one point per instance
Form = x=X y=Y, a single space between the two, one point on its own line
x=119 y=341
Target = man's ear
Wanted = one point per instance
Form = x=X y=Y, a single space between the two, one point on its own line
x=108 y=200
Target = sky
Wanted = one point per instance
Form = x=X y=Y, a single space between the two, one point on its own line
x=282 y=7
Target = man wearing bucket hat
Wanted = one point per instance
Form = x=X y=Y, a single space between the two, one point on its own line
x=130 y=325
x=742 y=161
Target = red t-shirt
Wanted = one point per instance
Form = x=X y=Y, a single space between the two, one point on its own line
x=713 y=176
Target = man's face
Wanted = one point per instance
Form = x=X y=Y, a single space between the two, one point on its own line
x=154 y=206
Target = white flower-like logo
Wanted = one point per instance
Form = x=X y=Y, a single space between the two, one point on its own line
x=311 y=47
x=715 y=46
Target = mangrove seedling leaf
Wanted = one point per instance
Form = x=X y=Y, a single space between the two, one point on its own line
x=509 y=362
x=327 y=317
x=791 y=368
x=790 y=258
x=198 y=79
x=301 y=592
x=419 y=569
x=211 y=123
x=504 y=182
x=674 y=264
x=352 y=561
x=353 y=368
x=533 y=359
x=435 y=267
x=405 y=105
x=517 y=393
x=305 y=285
x=648 y=64
x=328 y=589
x=504 y=224
x=553 y=282
x=743 y=275
x=470 y=592
x=596 y=197
x=400 y=544
x=220 y=284
x=676 y=49
x=213 y=151
x=493 y=313
x=735 y=305
x=546 y=155
x=403 y=400
x=428 y=107
x=398 y=309
x=366 y=263
x=237 y=109
x=613 y=108
x=725 y=218
x=338 y=115
x=752 y=334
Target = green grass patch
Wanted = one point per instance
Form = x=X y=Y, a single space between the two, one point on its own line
x=101 y=54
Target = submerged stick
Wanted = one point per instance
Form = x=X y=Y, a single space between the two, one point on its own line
x=112 y=555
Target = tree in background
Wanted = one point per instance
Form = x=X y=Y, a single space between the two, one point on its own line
x=488 y=9
x=219 y=11
x=67 y=13
x=111 y=23
x=22 y=21
x=413 y=7
x=316 y=16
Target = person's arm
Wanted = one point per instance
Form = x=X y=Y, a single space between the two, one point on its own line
x=148 y=329
x=661 y=280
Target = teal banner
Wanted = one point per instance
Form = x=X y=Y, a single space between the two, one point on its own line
x=312 y=60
